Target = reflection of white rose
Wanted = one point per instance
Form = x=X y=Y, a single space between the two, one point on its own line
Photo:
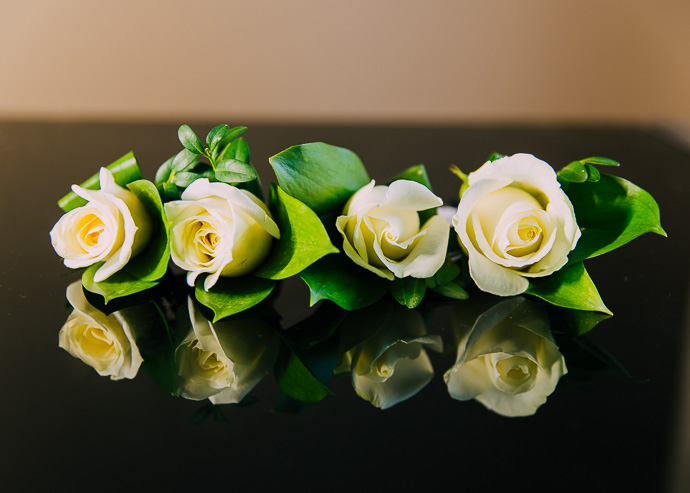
x=104 y=342
x=515 y=223
x=112 y=227
x=225 y=360
x=508 y=361
x=391 y=365
x=220 y=230
x=382 y=233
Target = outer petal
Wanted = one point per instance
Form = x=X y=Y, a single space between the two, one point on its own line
x=406 y=194
x=427 y=256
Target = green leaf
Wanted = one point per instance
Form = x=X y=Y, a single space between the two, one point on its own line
x=152 y=263
x=229 y=139
x=118 y=285
x=184 y=160
x=125 y=170
x=576 y=322
x=593 y=173
x=452 y=290
x=447 y=273
x=569 y=287
x=303 y=238
x=232 y=295
x=339 y=279
x=494 y=156
x=601 y=161
x=610 y=213
x=408 y=291
x=216 y=135
x=415 y=173
x=189 y=139
x=296 y=380
x=163 y=174
x=575 y=172
x=322 y=176
x=233 y=171
x=185 y=178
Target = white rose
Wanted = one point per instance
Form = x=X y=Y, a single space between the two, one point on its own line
x=225 y=360
x=508 y=361
x=381 y=230
x=515 y=223
x=391 y=365
x=220 y=230
x=104 y=342
x=112 y=227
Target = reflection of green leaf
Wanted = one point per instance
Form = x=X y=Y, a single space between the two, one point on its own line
x=569 y=287
x=296 y=380
x=232 y=295
x=320 y=175
x=303 y=238
x=116 y=286
x=158 y=351
x=125 y=170
x=152 y=263
x=577 y=322
x=337 y=278
x=451 y=290
x=408 y=291
x=610 y=213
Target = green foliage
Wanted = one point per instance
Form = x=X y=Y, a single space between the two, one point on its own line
x=321 y=176
x=610 y=213
x=125 y=170
x=232 y=295
x=570 y=287
x=336 y=278
x=303 y=238
x=118 y=285
x=408 y=291
x=295 y=379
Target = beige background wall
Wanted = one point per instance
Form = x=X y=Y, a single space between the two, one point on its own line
x=471 y=60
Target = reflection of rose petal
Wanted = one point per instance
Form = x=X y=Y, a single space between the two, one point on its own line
x=104 y=342
x=507 y=360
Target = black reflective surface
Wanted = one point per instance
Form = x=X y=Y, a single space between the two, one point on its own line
x=62 y=424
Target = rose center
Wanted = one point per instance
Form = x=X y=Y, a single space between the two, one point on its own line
x=515 y=374
x=90 y=231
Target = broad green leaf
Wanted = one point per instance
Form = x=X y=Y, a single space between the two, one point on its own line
x=152 y=263
x=408 y=291
x=569 y=287
x=303 y=238
x=339 y=279
x=170 y=192
x=232 y=295
x=216 y=135
x=125 y=170
x=610 y=213
x=593 y=173
x=189 y=139
x=233 y=171
x=322 y=176
x=118 y=285
x=296 y=380
x=451 y=290
x=415 y=173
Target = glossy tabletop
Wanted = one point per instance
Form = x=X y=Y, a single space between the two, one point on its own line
x=64 y=425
